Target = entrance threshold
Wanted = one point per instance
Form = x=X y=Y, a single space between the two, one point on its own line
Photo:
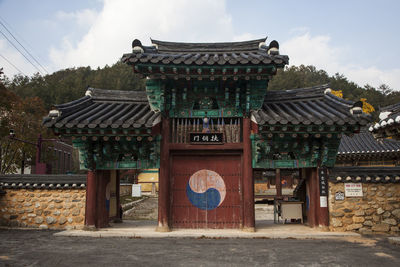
x=146 y=229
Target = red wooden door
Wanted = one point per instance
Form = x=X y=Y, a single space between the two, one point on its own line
x=205 y=191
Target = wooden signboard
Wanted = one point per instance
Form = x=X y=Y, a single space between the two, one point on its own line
x=323 y=187
x=206 y=138
x=323 y=182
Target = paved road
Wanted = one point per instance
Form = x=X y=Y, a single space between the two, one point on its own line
x=41 y=248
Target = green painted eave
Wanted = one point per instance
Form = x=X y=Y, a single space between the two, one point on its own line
x=207 y=72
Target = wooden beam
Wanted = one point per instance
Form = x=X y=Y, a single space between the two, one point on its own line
x=101 y=210
x=90 y=206
x=163 y=191
x=248 y=182
x=118 y=194
x=278 y=184
x=313 y=194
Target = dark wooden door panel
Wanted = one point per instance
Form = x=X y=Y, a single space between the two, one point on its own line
x=205 y=191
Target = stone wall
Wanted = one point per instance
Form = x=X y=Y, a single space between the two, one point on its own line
x=43 y=208
x=377 y=211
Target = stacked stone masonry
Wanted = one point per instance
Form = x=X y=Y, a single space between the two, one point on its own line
x=43 y=208
x=377 y=211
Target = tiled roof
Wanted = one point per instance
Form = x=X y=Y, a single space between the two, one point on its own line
x=253 y=52
x=104 y=109
x=364 y=143
x=389 y=121
x=365 y=175
x=33 y=181
x=314 y=105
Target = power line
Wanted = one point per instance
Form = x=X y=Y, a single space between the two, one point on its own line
x=27 y=44
x=9 y=62
x=23 y=47
x=5 y=36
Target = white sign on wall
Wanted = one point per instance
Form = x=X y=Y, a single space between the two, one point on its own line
x=323 y=202
x=136 y=190
x=353 y=190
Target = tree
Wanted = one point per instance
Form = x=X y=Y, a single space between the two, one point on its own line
x=385 y=89
x=338 y=93
x=24 y=117
x=307 y=76
x=298 y=77
x=70 y=84
x=367 y=107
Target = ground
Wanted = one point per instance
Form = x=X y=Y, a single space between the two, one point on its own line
x=147 y=209
x=128 y=199
x=26 y=247
x=42 y=248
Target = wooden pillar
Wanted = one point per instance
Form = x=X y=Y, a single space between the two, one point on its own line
x=101 y=209
x=313 y=195
x=302 y=192
x=278 y=184
x=248 y=182
x=118 y=193
x=90 y=208
x=163 y=190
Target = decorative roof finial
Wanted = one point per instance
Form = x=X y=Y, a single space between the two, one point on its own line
x=273 y=48
x=137 y=46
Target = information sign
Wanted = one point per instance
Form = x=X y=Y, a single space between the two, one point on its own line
x=323 y=202
x=353 y=190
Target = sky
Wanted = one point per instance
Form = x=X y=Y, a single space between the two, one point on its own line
x=357 y=38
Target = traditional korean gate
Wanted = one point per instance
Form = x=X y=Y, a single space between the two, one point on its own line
x=206 y=191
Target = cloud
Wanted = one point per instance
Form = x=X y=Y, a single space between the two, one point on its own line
x=120 y=21
x=245 y=37
x=96 y=37
x=318 y=51
x=307 y=50
x=82 y=18
x=375 y=77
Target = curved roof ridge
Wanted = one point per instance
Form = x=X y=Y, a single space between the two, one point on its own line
x=72 y=103
x=105 y=94
x=101 y=108
x=298 y=93
x=344 y=101
x=242 y=53
x=166 y=46
x=116 y=95
x=316 y=106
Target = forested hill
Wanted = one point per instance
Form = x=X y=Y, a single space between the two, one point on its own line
x=306 y=76
x=70 y=84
